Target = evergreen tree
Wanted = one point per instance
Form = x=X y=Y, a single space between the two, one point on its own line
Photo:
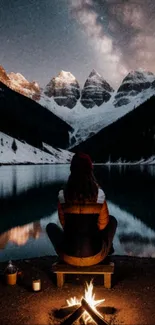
x=14 y=146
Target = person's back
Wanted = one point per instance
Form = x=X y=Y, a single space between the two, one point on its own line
x=84 y=216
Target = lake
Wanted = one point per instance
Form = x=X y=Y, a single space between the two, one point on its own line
x=28 y=202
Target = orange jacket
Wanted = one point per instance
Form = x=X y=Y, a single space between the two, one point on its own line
x=99 y=207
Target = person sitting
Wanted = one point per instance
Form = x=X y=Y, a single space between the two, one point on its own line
x=87 y=231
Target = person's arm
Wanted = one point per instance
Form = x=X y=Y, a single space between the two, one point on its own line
x=61 y=200
x=61 y=214
x=103 y=218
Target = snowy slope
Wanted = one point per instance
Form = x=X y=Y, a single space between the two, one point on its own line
x=26 y=153
x=87 y=122
x=60 y=154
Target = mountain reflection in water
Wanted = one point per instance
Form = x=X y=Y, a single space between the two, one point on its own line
x=20 y=234
x=133 y=237
x=28 y=201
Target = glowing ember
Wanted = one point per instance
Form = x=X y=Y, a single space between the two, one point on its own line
x=90 y=298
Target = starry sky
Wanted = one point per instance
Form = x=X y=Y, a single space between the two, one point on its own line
x=39 y=38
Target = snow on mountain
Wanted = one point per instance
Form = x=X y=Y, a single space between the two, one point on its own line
x=60 y=154
x=134 y=83
x=138 y=77
x=13 y=151
x=19 y=83
x=64 y=88
x=92 y=123
x=17 y=78
x=87 y=122
x=96 y=90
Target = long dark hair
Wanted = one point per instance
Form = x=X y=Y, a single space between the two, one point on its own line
x=81 y=183
x=81 y=187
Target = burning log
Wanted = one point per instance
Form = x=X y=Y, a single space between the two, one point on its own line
x=67 y=310
x=74 y=316
x=94 y=314
x=80 y=310
x=85 y=308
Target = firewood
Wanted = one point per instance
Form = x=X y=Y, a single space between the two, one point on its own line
x=94 y=315
x=65 y=311
x=74 y=316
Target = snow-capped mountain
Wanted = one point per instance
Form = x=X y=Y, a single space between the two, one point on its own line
x=133 y=84
x=13 y=151
x=63 y=93
x=87 y=122
x=20 y=84
x=96 y=90
x=64 y=89
x=23 y=86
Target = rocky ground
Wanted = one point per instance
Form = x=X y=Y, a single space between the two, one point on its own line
x=132 y=295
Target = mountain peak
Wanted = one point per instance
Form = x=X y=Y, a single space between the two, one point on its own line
x=133 y=84
x=94 y=76
x=94 y=73
x=64 y=88
x=35 y=84
x=96 y=90
x=17 y=76
x=65 y=75
x=139 y=75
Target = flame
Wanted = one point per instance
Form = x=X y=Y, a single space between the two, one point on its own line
x=90 y=298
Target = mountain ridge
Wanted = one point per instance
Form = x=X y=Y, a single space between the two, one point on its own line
x=14 y=151
x=66 y=91
x=85 y=124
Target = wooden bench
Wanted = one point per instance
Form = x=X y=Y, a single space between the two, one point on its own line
x=62 y=269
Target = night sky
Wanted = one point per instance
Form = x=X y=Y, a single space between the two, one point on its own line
x=39 y=38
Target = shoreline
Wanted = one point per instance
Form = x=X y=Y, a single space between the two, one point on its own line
x=95 y=164
x=53 y=258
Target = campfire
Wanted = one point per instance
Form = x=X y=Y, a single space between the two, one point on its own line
x=84 y=310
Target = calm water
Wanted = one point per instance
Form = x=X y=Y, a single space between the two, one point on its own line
x=28 y=202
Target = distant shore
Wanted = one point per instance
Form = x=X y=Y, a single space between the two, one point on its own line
x=29 y=163
x=95 y=164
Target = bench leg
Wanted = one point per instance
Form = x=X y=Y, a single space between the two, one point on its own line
x=107 y=280
x=60 y=280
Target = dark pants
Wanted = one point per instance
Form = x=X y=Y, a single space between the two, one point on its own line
x=55 y=234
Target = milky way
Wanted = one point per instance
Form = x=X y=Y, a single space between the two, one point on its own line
x=40 y=38
x=123 y=32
